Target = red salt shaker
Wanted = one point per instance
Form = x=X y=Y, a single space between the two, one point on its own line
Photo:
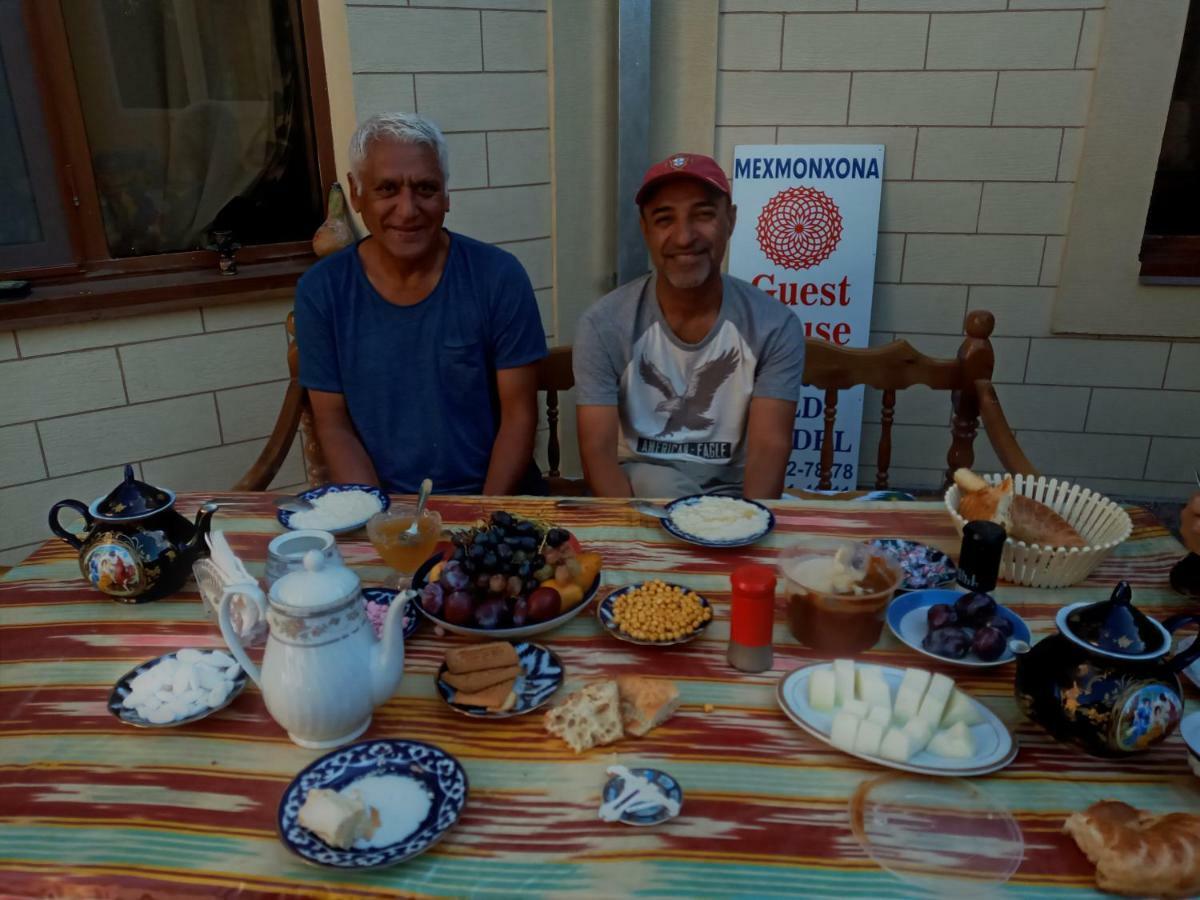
x=752 y=617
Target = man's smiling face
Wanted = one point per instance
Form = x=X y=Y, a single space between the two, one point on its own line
x=402 y=198
x=686 y=225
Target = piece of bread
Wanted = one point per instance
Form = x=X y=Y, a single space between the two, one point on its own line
x=646 y=702
x=474 y=657
x=496 y=697
x=1023 y=518
x=337 y=819
x=1139 y=854
x=589 y=717
x=481 y=678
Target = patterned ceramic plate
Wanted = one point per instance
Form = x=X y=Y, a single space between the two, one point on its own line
x=924 y=567
x=378 y=600
x=285 y=515
x=669 y=523
x=908 y=619
x=995 y=746
x=606 y=607
x=652 y=816
x=121 y=690
x=379 y=770
x=541 y=675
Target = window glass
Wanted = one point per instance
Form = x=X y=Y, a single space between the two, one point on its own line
x=197 y=119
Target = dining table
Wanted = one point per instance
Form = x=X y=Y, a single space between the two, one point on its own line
x=91 y=807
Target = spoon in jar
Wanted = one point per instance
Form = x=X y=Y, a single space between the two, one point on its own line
x=426 y=487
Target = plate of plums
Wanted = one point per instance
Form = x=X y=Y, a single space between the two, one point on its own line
x=964 y=629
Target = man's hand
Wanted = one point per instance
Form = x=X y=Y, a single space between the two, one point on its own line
x=1189 y=524
x=599 y=431
x=513 y=448
x=768 y=445
x=347 y=458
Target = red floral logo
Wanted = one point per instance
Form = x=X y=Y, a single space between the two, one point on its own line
x=799 y=227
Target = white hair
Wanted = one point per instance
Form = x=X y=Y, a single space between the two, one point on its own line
x=406 y=128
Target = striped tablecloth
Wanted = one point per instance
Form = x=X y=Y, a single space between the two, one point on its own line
x=92 y=808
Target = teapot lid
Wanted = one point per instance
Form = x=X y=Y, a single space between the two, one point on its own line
x=132 y=498
x=1115 y=627
x=319 y=582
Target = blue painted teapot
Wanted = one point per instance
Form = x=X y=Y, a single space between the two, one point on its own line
x=1106 y=681
x=136 y=547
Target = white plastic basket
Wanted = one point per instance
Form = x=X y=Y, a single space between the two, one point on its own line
x=1099 y=521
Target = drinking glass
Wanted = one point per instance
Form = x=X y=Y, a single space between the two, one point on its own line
x=402 y=551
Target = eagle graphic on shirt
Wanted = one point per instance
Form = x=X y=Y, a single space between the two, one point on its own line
x=688 y=411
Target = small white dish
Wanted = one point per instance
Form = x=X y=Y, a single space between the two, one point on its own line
x=285 y=516
x=995 y=746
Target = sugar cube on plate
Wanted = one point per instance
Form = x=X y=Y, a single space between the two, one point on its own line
x=956 y=742
x=843 y=671
x=844 y=731
x=961 y=709
x=868 y=738
x=822 y=690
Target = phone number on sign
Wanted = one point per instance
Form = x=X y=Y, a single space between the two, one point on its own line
x=812 y=469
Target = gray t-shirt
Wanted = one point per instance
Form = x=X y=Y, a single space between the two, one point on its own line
x=680 y=404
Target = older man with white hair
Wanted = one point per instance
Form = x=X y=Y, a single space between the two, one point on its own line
x=419 y=345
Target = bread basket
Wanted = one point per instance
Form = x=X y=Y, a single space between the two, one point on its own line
x=1099 y=521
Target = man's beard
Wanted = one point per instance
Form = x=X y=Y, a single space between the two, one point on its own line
x=690 y=277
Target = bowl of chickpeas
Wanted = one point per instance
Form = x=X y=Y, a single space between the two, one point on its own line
x=655 y=613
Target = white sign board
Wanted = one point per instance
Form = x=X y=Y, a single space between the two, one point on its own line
x=808 y=219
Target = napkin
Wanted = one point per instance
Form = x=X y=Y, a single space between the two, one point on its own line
x=224 y=570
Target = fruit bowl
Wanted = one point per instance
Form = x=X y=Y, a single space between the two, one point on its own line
x=506 y=634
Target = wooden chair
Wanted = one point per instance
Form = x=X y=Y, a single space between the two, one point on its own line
x=893 y=367
x=554 y=377
x=899 y=365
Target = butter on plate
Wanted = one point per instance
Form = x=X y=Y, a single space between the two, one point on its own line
x=338 y=819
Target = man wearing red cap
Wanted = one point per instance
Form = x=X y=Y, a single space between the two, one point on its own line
x=687 y=379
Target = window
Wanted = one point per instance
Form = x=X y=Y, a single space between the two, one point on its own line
x=1171 y=247
x=133 y=130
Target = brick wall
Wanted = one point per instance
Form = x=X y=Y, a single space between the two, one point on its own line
x=478 y=69
x=188 y=396
x=982 y=106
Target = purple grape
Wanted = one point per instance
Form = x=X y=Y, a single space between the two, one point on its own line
x=988 y=643
x=432 y=596
x=941 y=615
x=490 y=613
x=950 y=642
x=456 y=579
x=520 y=612
x=1001 y=624
x=974 y=609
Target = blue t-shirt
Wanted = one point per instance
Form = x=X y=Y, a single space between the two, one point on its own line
x=420 y=381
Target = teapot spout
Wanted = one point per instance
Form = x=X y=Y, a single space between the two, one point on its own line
x=197 y=547
x=387 y=658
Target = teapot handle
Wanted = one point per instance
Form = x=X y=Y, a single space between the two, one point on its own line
x=1181 y=661
x=232 y=638
x=61 y=532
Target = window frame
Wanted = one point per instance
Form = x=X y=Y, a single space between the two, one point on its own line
x=95 y=284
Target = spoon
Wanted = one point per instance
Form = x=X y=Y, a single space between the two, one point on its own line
x=426 y=487
x=647 y=508
x=292 y=504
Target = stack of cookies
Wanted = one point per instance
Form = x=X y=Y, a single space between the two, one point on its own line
x=483 y=675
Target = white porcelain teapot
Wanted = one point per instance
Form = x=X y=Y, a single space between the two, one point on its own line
x=323 y=670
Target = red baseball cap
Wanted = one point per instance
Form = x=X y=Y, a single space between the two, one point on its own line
x=685 y=165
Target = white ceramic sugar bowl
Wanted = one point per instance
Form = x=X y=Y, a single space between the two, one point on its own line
x=323 y=670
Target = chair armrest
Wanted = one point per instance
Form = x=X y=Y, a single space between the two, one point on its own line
x=1012 y=457
x=264 y=469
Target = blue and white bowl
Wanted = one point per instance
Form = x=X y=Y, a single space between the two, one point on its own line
x=655 y=814
x=379 y=599
x=606 y=608
x=907 y=617
x=541 y=675
x=669 y=524
x=285 y=515
x=924 y=566
x=439 y=773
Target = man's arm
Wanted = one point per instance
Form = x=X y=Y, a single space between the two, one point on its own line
x=768 y=445
x=513 y=448
x=347 y=458
x=599 y=431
